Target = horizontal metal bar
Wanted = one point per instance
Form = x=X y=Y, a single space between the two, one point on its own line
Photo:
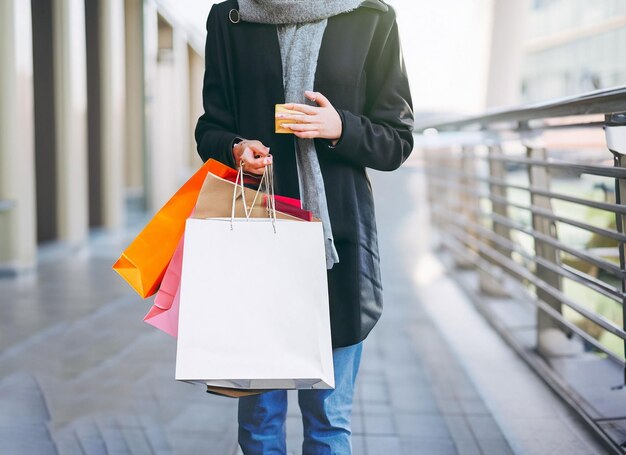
x=459 y=247
x=604 y=101
x=607 y=266
x=511 y=265
x=615 y=208
x=533 y=209
x=598 y=262
x=539 y=124
x=561 y=269
x=6 y=205
x=603 y=171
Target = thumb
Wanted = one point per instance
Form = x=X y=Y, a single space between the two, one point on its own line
x=320 y=99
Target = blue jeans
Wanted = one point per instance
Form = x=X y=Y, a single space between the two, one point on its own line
x=325 y=414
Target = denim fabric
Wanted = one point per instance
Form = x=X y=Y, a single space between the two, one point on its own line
x=325 y=414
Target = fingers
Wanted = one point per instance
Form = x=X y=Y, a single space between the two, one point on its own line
x=296 y=117
x=307 y=134
x=302 y=126
x=258 y=149
x=252 y=164
x=304 y=108
x=320 y=99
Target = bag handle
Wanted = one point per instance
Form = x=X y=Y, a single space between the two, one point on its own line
x=267 y=182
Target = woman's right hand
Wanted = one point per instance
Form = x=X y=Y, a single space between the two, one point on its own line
x=253 y=155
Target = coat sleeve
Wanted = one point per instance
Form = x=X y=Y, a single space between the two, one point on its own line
x=382 y=137
x=215 y=130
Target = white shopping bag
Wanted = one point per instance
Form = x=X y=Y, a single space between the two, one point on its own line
x=254 y=308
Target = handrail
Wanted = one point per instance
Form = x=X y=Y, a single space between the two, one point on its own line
x=508 y=201
x=605 y=101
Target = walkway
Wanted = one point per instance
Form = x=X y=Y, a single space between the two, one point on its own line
x=80 y=373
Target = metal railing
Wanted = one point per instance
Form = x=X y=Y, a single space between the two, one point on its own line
x=534 y=200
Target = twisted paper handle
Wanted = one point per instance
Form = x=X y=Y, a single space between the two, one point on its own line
x=267 y=182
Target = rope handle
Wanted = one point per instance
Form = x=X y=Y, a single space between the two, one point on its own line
x=267 y=183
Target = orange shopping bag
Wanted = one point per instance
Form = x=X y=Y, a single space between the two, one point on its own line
x=144 y=262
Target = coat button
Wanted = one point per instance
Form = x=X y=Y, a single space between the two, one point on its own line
x=233 y=15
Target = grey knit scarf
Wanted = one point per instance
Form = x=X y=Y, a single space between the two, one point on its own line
x=293 y=11
x=300 y=26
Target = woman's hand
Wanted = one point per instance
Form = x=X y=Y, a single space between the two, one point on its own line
x=323 y=121
x=253 y=155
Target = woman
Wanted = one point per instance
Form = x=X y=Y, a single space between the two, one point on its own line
x=339 y=65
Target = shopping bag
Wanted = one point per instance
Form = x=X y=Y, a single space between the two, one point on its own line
x=143 y=263
x=164 y=312
x=254 y=310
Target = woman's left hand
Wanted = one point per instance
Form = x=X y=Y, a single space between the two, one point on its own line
x=323 y=121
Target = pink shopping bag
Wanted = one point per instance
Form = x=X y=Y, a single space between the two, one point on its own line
x=164 y=313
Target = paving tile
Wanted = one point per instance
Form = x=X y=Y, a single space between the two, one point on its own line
x=357 y=424
x=484 y=427
x=358 y=445
x=467 y=446
x=458 y=427
x=203 y=417
x=383 y=445
x=418 y=446
x=421 y=426
x=136 y=440
x=193 y=443
x=413 y=400
x=379 y=424
x=375 y=391
x=474 y=406
x=449 y=406
x=371 y=408
x=294 y=426
x=22 y=401
x=294 y=445
x=26 y=440
x=499 y=446
x=93 y=446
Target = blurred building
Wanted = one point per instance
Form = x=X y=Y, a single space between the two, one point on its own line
x=99 y=99
x=572 y=47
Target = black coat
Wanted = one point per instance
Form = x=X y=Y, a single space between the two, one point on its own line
x=361 y=71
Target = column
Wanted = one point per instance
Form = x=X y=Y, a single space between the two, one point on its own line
x=71 y=119
x=151 y=49
x=112 y=59
x=170 y=115
x=506 y=56
x=196 y=76
x=134 y=142
x=18 y=242
x=184 y=140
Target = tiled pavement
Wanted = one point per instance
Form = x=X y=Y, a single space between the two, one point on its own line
x=81 y=373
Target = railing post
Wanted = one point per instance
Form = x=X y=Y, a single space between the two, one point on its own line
x=468 y=200
x=435 y=195
x=615 y=132
x=539 y=178
x=490 y=284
